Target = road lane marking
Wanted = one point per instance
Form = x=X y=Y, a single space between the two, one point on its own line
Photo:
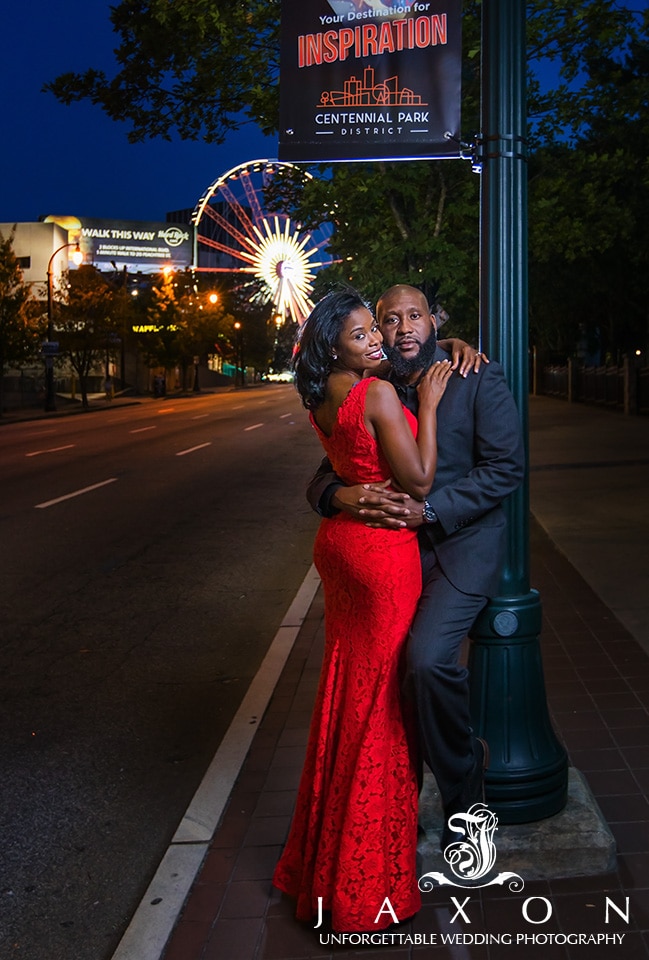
x=142 y=429
x=253 y=427
x=200 y=416
x=200 y=446
x=37 y=453
x=76 y=493
x=285 y=415
x=148 y=933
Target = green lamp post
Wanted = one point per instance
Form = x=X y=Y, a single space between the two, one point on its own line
x=528 y=774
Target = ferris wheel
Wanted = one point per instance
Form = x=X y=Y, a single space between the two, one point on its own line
x=236 y=234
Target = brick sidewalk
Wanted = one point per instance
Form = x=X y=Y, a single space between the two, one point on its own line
x=597 y=681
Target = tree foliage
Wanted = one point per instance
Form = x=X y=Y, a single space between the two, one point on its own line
x=87 y=332
x=581 y=58
x=201 y=68
x=589 y=247
x=182 y=323
x=248 y=304
x=21 y=327
x=414 y=222
x=196 y=67
x=589 y=217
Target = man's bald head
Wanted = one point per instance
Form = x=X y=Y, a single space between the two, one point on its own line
x=408 y=329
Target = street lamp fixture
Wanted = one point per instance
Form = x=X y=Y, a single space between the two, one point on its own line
x=212 y=299
x=279 y=323
x=50 y=348
x=239 y=329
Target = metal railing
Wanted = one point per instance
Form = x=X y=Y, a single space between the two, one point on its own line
x=622 y=386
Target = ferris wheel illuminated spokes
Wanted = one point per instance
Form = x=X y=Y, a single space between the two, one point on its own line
x=236 y=235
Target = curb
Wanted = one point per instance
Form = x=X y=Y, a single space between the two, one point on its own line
x=154 y=919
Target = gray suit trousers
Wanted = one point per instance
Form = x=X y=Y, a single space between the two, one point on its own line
x=437 y=678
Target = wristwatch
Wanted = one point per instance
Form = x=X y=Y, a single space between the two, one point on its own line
x=429 y=514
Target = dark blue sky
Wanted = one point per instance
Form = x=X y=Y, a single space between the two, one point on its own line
x=75 y=160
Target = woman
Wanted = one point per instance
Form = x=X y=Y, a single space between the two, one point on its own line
x=353 y=840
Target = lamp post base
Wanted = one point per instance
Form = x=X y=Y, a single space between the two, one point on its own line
x=527 y=777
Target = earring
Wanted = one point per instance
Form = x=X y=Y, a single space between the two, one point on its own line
x=334 y=356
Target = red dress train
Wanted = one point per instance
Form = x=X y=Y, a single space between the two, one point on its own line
x=353 y=837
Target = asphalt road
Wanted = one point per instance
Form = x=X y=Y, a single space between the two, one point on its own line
x=148 y=556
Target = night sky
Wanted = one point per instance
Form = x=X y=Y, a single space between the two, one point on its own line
x=75 y=160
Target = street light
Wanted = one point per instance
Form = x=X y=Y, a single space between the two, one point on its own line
x=527 y=777
x=279 y=323
x=238 y=328
x=50 y=348
x=212 y=299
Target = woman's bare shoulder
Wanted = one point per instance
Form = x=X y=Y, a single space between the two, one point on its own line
x=381 y=388
x=381 y=395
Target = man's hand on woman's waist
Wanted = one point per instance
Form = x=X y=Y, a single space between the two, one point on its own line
x=378 y=506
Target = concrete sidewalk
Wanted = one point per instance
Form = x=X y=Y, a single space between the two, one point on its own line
x=66 y=405
x=589 y=484
x=588 y=537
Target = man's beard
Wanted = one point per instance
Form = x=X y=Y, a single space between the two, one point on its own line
x=404 y=367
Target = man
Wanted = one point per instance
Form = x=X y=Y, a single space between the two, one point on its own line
x=461 y=524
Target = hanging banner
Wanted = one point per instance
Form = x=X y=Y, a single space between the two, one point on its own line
x=370 y=79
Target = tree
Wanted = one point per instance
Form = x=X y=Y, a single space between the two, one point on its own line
x=250 y=306
x=202 y=68
x=20 y=329
x=584 y=49
x=202 y=323
x=159 y=342
x=183 y=323
x=393 y=223
x=87 y=333
x=589 y=204
x=198 y=67
x=589 y=246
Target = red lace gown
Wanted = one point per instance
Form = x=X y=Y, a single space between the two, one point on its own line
x=353 y=837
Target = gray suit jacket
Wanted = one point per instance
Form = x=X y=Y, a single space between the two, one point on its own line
x=480 y=461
